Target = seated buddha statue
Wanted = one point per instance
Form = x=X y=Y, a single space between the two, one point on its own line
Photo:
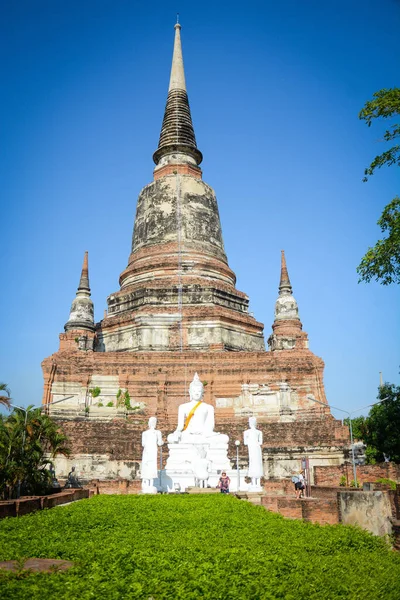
x=196 y=420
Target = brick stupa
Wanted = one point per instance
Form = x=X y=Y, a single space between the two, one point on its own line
x=177 y=312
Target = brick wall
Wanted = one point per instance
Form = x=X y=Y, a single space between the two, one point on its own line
x=158 y=378
x=24 y=506
x=396 y=534
x=121 y=439
x=321 y=510
x=115 y=486
x=278 y=486
x=330 y=475
x=314 y=510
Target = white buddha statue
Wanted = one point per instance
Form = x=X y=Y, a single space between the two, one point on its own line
x=253 y=439
x=196 y=419
x=151 y=439
x=197 y=453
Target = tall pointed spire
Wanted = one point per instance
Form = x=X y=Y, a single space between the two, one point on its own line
x=84 y=280
x=285 y=286
x=81 y=315
x=177 y=79
x=177 y=133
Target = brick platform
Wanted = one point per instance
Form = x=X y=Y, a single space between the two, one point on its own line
x=24 y=506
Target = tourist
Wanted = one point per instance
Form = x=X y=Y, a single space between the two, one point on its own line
x=223 y=483
x=299 y=484
x=303 y=484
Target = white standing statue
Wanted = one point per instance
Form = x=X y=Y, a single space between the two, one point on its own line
x=253 y=439
x=151 y=439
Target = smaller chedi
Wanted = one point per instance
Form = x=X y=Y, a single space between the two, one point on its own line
x=194 y=443
x=151 y=439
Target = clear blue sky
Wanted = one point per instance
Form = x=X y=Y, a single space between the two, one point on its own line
x=275 y=89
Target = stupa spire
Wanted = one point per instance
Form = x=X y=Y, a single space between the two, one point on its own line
x=81 y=315
x=286 y=306
x=177 y=136
x=177 y=79
x=84 y=280
x=285 y=286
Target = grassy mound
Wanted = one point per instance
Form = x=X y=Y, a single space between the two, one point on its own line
x=190 y=547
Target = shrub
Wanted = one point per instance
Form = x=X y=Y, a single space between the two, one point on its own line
x=175 y=547
x=353 y=484
x=343 y=481
x=95 y=392
x=110 y=404
x=386 y=481
x=100 y=404
x=124 y=399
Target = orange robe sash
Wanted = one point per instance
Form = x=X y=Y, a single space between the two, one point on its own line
x=190 y=415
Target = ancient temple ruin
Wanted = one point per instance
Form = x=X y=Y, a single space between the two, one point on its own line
x=177 y=311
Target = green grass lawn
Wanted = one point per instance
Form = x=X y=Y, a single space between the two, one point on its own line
x=186 y=547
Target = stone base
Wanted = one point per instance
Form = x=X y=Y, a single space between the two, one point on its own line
x=181 y=481
x=255 y=488
x=182 y=455
x=199 y=490
x=148 y=489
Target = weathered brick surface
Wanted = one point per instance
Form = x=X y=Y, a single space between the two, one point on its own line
x=115 y=486
x=330 y=475
x=184 y=169
x=121 y=439
x=270 y=502
x=8 y=509
x=28 y=504
x=161 y=379
x=278 y=486
x=315 y=510
x=397 y=501
x=396 y=534
x=288 y=507
x=328 y=493
x=320 y=510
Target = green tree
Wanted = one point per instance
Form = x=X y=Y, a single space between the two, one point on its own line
x=4 y=399
x=358 y=427
x=382 y=426
x=382 y=262
x=28 y=442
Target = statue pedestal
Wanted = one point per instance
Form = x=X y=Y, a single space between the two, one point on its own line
x=179 y=473
x=149 y=489
x=254 y=488
x=180 y=481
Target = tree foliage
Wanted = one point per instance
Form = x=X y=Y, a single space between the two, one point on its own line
x=28 y=442
x=381 y=429
x=382 y=262
x=4 y=399
x=358 y=427
x=385 y=105
x=383 y=424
